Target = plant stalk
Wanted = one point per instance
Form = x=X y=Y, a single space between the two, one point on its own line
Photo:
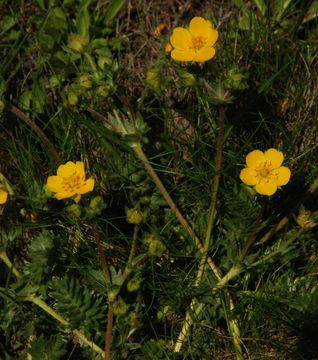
x=143 y=158
x=215 y=189
x=43 y=305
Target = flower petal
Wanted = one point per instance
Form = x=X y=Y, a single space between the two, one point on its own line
x=212 y=36
x=54 y=183
x=199 y=26
x=248 y=176
x=255 y=158
x=283 y=175
x=275 y=157
x=67 y=169
x=183 y=55
x=65 y=194
x=87 y=186
x=181 y=39
x=266 y=187
x=3 y=197
x=204 y=54
x=80 y=169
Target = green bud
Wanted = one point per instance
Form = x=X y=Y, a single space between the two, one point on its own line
x=72 y=98
x=149 y=237
x=97 y=204
x=54 y=81
x=153 y=79
x=218 y=94
x=133 y=319
x=120 y=307
x=112 y=293
x=305 y=218
x=187 y=79
x=77 y=43
x=235 y=80
x=74 y=210
x=134 y=216
x=102 y=91
x=85 y=81
x=156 y=248
x=133 y=284
x=2 y=106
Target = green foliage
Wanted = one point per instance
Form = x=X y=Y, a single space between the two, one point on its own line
x=52 y=348
x=42 y=258
x=92 y=80
x=82 y=307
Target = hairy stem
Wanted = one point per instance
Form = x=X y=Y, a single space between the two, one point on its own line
x=134 y=245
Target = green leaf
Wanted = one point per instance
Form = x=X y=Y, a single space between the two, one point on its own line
x=261 y=6
x=279 y=8
x=83 y=22
x=312 y=13
x=113 y=10
x=52 y=348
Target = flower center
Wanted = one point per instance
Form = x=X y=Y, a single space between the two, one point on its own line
x=72 y=182
x=265 y=172
x=198 y=42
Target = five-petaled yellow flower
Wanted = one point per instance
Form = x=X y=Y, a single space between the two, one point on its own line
x=264 y=171
x=70 y=181
x=195 y=43
x=3 y=195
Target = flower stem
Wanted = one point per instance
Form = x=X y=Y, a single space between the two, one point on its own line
x=143 y=158
x=133 y=246
x=43 y=305
x=215 y=188
x=232 y=322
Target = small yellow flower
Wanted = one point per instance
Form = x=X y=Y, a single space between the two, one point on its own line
x=195 y=43
x=264 y=171
x=3 y=195
x=70 y=181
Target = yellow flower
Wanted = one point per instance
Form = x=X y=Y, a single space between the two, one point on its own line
x=70 y=181
x=264 y=171
x=195 y=43
x=3 y=195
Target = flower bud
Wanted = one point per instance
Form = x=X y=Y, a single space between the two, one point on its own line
x=2 y=106
x=133 y=284
x=74 y=210
x=120 y=307
x=153 y=79
x=134 y=216
x=102 y=91
x=235 y=80
x=156 y=248
x=219 y=95
x=77 y=43
x=72 y=98
x=54 y=81
x=85 y=81
x=187 y=78
x=304 y=218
